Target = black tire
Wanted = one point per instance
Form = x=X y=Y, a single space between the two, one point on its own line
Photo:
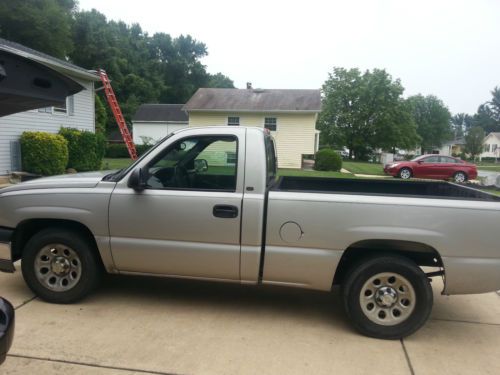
x=459 y=180
x=89 y=268
x=403 y=172
x=361 y=274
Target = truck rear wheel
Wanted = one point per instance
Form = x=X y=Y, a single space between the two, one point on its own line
x=387 y=297
x=60 y=266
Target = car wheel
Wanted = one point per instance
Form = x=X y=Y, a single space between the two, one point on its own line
x=460 y=177
x=404 y=173
x=60 y=265
x=387 y=297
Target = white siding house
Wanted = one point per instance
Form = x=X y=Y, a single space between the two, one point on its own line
x=78 y=112
x=152 y=122
x=491 y=146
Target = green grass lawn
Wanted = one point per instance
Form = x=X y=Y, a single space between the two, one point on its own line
x=363 y=167
x=109 y=163
x=489 y=167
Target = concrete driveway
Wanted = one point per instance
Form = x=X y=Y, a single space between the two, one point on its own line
x=159 y=326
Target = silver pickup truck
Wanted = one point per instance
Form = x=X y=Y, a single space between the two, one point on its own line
x=206 y=203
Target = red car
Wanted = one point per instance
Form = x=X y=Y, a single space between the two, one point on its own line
x=433 y=166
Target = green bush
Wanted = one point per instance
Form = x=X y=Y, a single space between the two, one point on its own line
x=119 y=150
x=327 y=160
x=44 y=153
x=86 y=149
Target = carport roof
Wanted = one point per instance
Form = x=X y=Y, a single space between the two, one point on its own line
x=59 y=65
x=255 y=100
x=161 y=113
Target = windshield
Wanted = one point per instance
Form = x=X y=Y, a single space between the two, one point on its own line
x=419 y=157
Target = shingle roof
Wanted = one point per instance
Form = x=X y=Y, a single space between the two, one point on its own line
x=53 y=62
x=161 y=112
x=254 y=100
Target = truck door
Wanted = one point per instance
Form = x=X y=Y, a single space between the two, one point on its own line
x=186 y=222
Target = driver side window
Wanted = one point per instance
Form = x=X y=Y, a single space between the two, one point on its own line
x=196 y=163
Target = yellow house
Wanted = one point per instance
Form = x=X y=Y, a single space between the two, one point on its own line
x=290 y=115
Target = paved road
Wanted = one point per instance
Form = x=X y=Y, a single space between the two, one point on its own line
x=160 y=326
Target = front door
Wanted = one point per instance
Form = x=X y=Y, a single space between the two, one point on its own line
x=428 y=167
x=187 y=221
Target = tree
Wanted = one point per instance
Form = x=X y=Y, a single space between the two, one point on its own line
x=143 y=68
x=485 y=118
x=495 y=104
x=433 y=120
x=364 y=111
x=474 y=141
x=459 y=124
x=44 y=25
x=219 y=80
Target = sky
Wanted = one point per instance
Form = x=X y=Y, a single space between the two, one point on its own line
x=447 y=48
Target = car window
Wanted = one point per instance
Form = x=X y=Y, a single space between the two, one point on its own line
x=431 y=159
x=196 y=163
x=446 y=159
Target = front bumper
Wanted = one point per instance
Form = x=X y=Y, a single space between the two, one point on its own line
x=390 y=171
x=6 y=263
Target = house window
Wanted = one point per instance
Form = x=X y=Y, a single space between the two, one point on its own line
x=45 y=110
x=62 y=108
x=233 y=121
x=270 y=123
x=486 y=148
x=494 y=148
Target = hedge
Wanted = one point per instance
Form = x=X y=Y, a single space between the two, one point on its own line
x=86 y=149
x=119 y=150
x=44 y=153
x=327 y=160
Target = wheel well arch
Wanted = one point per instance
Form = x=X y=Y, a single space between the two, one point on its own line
x=28 y=228
x=422 y=254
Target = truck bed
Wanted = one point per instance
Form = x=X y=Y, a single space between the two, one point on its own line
x=385 y=187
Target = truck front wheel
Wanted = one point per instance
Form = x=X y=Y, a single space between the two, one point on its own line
x=59 y=265
x=387 y=297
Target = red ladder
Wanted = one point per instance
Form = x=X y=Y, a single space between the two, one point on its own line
x=117 y=112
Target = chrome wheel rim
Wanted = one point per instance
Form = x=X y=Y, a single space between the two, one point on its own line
x=387 y=298
x=405 y=173
x=459 y=177
x=58 y=267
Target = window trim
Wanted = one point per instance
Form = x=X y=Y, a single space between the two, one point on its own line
x=275 y=124
x=61 y=110
x=162 y=153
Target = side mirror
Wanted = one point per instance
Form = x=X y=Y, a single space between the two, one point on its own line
x=200 y=165
x=420 y=161
x=7 y=320
x=138 y=180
